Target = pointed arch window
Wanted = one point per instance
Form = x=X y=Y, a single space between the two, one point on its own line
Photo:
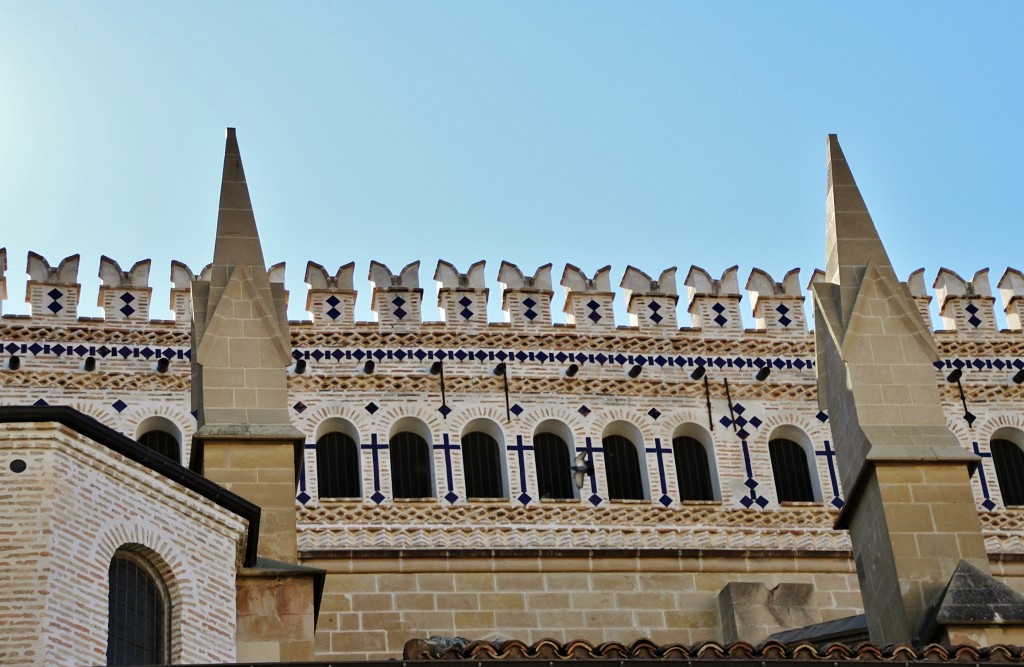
x=337 y=466
x=1008 y=459
x=410 y=466
x=163 y=443
x=138 y=623
x=693 y=471
x=792 y=474
x=554 y=479
x=622 y=466
x=481 y=466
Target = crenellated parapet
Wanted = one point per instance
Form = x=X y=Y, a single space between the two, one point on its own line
x=778 y=306
x=715 y=304
x=588 y=301
x=397 y=300
x=1011 y=289
x=526 y=300
x=965 y=306
x=331 y=300
x=651 y=304
x=124 y=296
x=922 y=299
x=181 y=292
x=462 y=297
x=53 y=292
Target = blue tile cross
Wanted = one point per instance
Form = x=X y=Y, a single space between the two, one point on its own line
x=988 y=503
x=519 y=448
x=374 y=448
x=302 y=496
x=751 y=483
x=589 y=448
x=830 y=456
x=447 y=447
x=660 y=452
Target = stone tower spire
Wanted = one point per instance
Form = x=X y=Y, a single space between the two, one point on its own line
x=910 y=510
x=240 y=353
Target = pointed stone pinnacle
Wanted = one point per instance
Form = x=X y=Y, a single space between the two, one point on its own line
x=238 y=241
x=851 y=238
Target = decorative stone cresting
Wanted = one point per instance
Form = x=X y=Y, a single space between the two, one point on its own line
x=778 y=307
x=397 y=300
x=53 y=292
x=715 y=304
x=923 y=300
x=525 y=300
x=651 y=304
x=331 y=299
x=965 y=306
x=462 y=297
x=125 y=295
x=588 y=301
x=1011 y=289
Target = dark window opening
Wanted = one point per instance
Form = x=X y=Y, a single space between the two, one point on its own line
x=163 y=443
x=481 y=466
x=692 y=469
x=137 y=622
x=622 y=466
x=337 y=466
x=1008 y=460
x=554 y=479
x=410 y=466
x=792 y=477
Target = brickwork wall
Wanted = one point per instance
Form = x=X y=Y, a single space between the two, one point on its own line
x=90 y=502
x=372 y=607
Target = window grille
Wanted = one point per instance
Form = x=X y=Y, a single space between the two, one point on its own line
x=792 y=477
x=554 y=479
x=162 y=443
x=622 y=467
x=692 y=469
x=481 y=466
x=410 y=466
x=138 y=615
x=337 y=466
x=1008 y=460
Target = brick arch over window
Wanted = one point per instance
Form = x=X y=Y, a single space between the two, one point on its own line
x=337 y=460
x=482 y=460
x=622 y=461
x=792 y=466
x=694 y=463
x=411 y=460
x=1008 y=460
x=552 y=454
x=162 y=436
x=139 y=610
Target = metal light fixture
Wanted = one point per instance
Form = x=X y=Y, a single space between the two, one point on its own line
x=955 y=376
x=163 y=364
x=701 y=373
x=436 y=368
x=300 y=366
x=763 y=373
x=89 y=365
x=698 y=373
x=14 y=363
x=635 y=371
x=369 y=366
x=571 y=370
x=1017 y=378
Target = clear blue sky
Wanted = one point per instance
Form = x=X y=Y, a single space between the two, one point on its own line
x=645 y=133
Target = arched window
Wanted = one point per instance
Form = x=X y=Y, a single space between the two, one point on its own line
x=622 y=467
x=410 y=466
x=337 y=466
x=692 y=469
x=1008 y=459
x=139 y=613
x=481 y=465
x=792 y=476
x=162 y=443
x=554 y=479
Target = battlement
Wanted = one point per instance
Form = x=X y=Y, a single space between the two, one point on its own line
x=777 y=308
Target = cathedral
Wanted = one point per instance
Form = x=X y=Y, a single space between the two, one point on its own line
x=230 y=486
